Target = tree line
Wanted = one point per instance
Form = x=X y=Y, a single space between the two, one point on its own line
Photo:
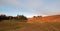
x=22 y=18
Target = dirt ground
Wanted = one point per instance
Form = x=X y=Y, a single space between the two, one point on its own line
x=40 y=27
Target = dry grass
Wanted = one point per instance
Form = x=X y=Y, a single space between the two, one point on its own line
x=10 y=25
x=22 y=26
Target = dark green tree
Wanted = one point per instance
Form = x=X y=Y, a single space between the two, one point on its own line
x=22 y=18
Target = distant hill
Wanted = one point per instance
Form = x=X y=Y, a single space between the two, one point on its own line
x=53 y=18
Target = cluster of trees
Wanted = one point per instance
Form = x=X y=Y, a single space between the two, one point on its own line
x=21 y=18
x=37 y=16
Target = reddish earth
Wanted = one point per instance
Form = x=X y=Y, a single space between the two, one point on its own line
x=40 y=27
x=53 y=18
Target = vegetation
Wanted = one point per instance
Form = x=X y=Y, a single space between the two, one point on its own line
x=23 y=26
x=11 y=25
x=21 y=18
x=19 y=23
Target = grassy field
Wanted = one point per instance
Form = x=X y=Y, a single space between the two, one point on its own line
x=22 y=26
x=10 y=25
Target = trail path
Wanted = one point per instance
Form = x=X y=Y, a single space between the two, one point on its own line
x=37 y=28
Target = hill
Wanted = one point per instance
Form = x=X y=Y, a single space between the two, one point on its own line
x=53 y=18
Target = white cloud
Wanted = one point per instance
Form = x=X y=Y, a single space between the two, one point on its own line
x=34 y=4
x=46 y=8
x=38 y=6
x=10 y=2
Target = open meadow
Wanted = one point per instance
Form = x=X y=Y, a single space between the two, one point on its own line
x=9 y=25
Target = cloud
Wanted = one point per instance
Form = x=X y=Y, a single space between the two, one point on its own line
x=33 y=4
x=11 y=4
x=40 y=7
x=45 y=7
x=15 y=2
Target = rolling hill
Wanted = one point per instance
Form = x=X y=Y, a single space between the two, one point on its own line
x=53 y=18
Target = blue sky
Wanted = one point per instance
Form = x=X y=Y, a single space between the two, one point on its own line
x=30 y=7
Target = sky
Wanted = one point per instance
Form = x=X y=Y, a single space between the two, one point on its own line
x=30 y=7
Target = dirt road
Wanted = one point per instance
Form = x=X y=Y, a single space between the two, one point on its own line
x=40 y=27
